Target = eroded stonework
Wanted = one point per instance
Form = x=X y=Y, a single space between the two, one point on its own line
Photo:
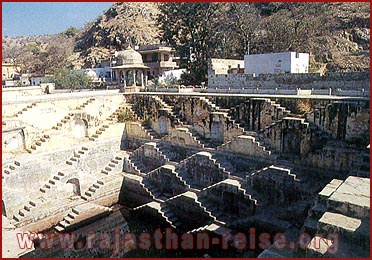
x=193 y=163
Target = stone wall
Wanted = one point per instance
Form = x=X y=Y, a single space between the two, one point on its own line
x=230 y=198
x=14 y=93
x=189 y=211
x=113 y=225
x=246 y=145
x=277 y=184
x=167 y=181
x=200 y=170
x=289 y=136
x=343 y=120
x=352 y=81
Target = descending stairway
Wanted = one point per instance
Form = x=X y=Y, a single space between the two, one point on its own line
x=99 y=132
x=170 y=216
x=82 y=106
x=54 y=180
x=67 y=220
x=77 y=155
x=152 y=189
x=63 y=121
x=92 y=189
x=11 y=168
x=112 y=165
x=24 y=211
x=24 y=109
x=37 y=143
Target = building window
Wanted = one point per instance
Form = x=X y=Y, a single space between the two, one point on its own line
x=166 y=57
x=297 y=55
x=154 y=57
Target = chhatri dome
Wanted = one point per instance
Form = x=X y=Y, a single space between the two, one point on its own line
x=129 y=58
x=129 y=68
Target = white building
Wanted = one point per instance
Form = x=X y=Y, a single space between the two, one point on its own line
x=281 y=62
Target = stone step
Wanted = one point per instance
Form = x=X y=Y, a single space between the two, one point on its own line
x=38 y=143
x=59 y=228
x=42 y=190
x=74 y=159
x=84 y=148
x=100 y=182
x=95 y=185
x=21 y=213
x=68 y=220
x=64 y=224
x=88 y=193
x=61 y=174
x=71 y=215
x=26 y=208
x=52 y=182
x=75 y=211
x=69 y=162
x=32 y=203
x=112 y=165
x=104 y=172
x=56 y=178
x=81 y=152
x=92 y=189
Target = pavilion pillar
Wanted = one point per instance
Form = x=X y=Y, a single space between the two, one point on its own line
x=134 y=78
x=125 y=78
x=142 y=83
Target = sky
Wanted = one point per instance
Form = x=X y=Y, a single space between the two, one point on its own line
x=38 y=18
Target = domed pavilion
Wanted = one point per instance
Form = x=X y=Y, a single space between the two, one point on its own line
x=129 y=69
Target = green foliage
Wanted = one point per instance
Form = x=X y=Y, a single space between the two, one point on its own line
x=125 y=115
x=70 y=32
x=69 y=79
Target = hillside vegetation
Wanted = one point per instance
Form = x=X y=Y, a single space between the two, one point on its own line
x=335 y=34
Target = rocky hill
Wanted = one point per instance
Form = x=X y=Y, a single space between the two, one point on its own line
x=339 y=41
x=122 y=24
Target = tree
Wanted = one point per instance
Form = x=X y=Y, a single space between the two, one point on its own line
x=191 y=28
x=71 y=79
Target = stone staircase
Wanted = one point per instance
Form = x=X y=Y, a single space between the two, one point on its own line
x=63 y=121
x=187 y=178
x=151 y=188
x=82 y=106
x=210 y=104
x=170 y=216
x=124 y=107
x=52 y=182
x=169 y=110
x=67 y=221
x=11 y=168
x=211 y=208
x=137 y=163
x=37 y=143
x=153 y=135
x=99 y=132
x=24 y=109
x=255 y=140
x=112 y=165
x=92 y=189
x=77 y=155
x=24 y=211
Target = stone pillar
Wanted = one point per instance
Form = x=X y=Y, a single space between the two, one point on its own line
x=142 y=83
x=134 y=78
x=125 y=78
